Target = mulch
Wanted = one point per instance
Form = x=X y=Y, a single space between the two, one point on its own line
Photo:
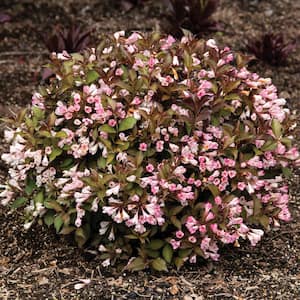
x=38 y=264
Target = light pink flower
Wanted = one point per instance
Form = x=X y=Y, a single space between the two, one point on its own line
x=143 y=147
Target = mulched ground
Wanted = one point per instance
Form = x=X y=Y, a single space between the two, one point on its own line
x=40 y=265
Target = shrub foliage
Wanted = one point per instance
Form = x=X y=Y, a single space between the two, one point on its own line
x=157 y=151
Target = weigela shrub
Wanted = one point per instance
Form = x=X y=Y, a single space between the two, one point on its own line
x=156 y=150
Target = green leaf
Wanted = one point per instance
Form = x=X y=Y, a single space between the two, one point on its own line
x=152 y=253
x=53 y=205
x=49 y=218
x=139 y=158
x=101 y=162
x=131 y=237
x=38 y=113
x=287 y=141
x=39 y=197
x=269 y=146
x=183 y=253
x=232 y=96
x=67 y=229
x=107 y=128
x=214 y=190
x=132 y=75
x=61 y=134
x=188 y=61
x=175 y=210
x=92 y=76
x=58 y=222
x=156 y=244
x=67 y=163
x=264 y=221
x=257 y=206
x=136 y=264
x=44 y=133
x=127 y=123
x=110 y=158
x=175 y=222
x=82 y=235
x=30 y=186
x=18 y=202
x=167 y=253
x=228 y=141
x=159 y=264
x=287 y=172
x=188 y=127
x=66 y=83
x=55 y=153
x=276 y=128
x=199 y=251
x=124 y=85
x=178 y=262
x=232 y=85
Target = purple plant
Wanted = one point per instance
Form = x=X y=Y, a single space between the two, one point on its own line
x=4 y=17
x=193 y=15
x=272 y=48
x=73 y=39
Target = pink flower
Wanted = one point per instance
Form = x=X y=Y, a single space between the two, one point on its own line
x=198 y=183
x=179 y=234
x=136 y=101
x=218 y=200
x=68 y=116
x=192 y=239
x=165 y=81
x=61 y=109
x=88 y=109
x=212 y=44
x=119 y=72
x=168 y=43
x=254 y=236
x=193 y=259
x=173 y=147
x=149 y=168
x=48 y=150
x=292 y=154
x=159 y=146
x=179 y=171
x=285 y=214
x=232 y=173
x=113 y=191
x=191 y=224
x=175 y=244
x=210 y=216
x=229 y=162
x=241 y=186
x=143 y=147
x=133 y=38
x=112 y=122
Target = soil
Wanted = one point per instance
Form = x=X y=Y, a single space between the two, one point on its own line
x=38 y=264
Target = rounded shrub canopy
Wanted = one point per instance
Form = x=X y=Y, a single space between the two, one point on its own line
x=156 y=150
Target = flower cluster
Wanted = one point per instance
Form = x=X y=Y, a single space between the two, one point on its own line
x=156 y=150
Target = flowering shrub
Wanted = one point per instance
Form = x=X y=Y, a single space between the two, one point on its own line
x=157 y=150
